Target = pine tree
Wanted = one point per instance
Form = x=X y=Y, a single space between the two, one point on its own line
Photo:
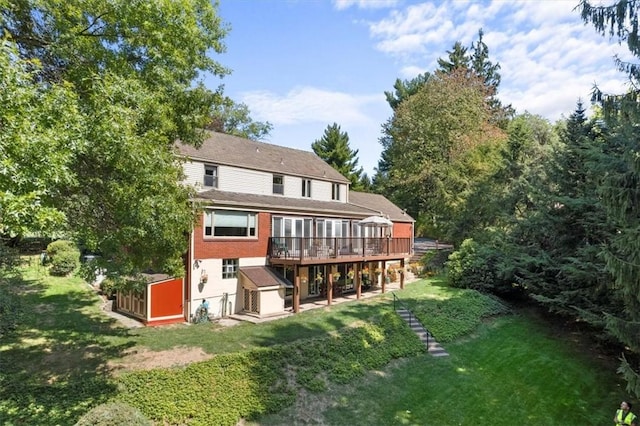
x=333 y=147
x=457 y=59
x=575 y=227
x=620 y=185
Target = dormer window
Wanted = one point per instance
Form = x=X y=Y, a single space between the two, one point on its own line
x=211 y=176
x=335 y=191
x=278 y=184
x=306 y=188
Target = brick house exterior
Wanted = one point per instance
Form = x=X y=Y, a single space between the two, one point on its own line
x=279 y=225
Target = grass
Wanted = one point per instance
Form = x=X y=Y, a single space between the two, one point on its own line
x=246 y=336
x=351 y=363
x=53 y=368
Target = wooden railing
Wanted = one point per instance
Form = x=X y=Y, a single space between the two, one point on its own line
x=310 y=248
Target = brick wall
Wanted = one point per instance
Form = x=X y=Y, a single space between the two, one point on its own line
x=232 y=248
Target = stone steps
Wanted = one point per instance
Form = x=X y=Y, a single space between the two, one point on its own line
x=433 y=347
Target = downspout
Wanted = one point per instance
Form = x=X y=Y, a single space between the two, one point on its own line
x=187 y=276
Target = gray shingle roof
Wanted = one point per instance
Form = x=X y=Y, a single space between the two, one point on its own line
x=378 y=204
x=231 y=150
x=272 y=202
x=360 y=205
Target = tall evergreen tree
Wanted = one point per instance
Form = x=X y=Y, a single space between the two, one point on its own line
x=457 y=59
x=481 y=64
x=620 y=186
x=570 y=276
x=333 y=147
x=404 y=89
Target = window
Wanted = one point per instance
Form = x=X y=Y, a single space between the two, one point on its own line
x=278 y=184
x=211 y=176
x=225 y=223
x=335 y=191
x=229 y=268
x=306 y=188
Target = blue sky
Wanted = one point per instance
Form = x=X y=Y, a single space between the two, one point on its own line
x=303 y=65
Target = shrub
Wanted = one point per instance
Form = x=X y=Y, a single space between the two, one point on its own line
x=114 y=414
x=108 y=287
x=63 y=256
x=59 y=246
x=434 y=261
x=473 y=266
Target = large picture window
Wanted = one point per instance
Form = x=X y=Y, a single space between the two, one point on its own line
x=225 y=223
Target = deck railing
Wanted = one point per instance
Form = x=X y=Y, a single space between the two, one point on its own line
x=309 y=248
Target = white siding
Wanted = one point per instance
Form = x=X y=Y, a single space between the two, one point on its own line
x=215 y=287
x=194 y=174
x=245 y=181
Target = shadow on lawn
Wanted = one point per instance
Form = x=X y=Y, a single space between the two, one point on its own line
x=54 y=366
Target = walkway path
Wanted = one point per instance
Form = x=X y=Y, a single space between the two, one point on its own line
x=433 y=347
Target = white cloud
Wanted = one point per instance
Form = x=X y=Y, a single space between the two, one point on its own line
x=310 y=105
x=364 y=4
x=548 y=56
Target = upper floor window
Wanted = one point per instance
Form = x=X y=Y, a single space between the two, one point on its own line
x=278 y=184
x=306 y=188
x=224 y=223
x=211 y=176
x=229 y=268
x=335 y=191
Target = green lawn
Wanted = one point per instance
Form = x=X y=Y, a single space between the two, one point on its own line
x=350 y=364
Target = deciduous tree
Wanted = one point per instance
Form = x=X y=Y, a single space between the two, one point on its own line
x=134 y=71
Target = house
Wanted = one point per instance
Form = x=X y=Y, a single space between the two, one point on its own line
x=278 y=226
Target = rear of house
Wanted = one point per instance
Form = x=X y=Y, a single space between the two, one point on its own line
x=278 y=226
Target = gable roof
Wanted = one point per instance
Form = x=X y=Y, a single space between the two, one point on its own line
x=220 y=148
x=379 y=204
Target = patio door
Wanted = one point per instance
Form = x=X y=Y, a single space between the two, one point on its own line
x=294 y=230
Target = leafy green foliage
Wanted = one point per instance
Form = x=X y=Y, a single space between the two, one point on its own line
x=254 y=383
x=434 y=261
x=63 y=256
x=234 y=119
x=53 y=364
x=97 y=94
x=113 y=414
x=40 y=126
x=438 y=134
x=458 y=316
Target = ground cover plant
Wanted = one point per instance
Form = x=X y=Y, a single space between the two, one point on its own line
x=352 y=363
